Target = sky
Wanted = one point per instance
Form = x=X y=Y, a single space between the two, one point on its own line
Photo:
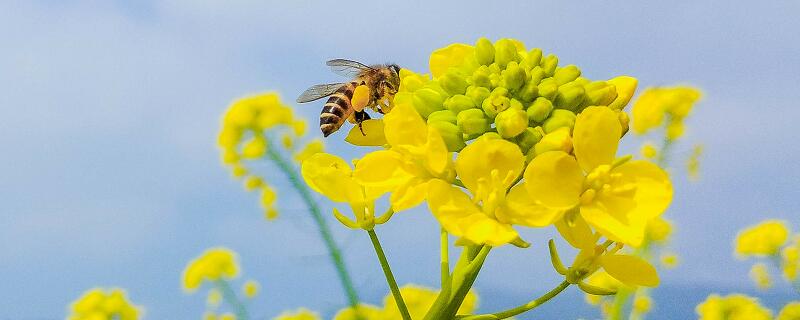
x=109 y=112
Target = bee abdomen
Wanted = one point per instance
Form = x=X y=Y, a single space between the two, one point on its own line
x=336 y=110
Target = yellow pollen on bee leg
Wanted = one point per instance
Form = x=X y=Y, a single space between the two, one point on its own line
x=360 y=98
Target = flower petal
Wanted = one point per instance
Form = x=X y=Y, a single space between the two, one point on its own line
x=617 y=227
x=409 y=194
x=596 y=137
x=404 y=126
x=522 y=210
x=462 y=218
x=331 y=176
x=478 y=160
x=653 y=188
x=444 y=58
x=554 y=179
x=630 y=270
x=372 y=135
x=436 y=154
x=577 y=232
x=383 y=168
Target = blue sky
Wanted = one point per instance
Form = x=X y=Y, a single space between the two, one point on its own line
x=109 y=112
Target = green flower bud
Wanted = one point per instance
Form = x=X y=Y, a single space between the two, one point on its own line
x=511 y=122
x=494 y=80
x=566 y=74
x=582 y=81
x=452 y=136
x=443 y=115
x=569 y=96
x=458 y=103
x=427 y=100
x=514 y=76
x=484 y=51
x=478 y=94
x=529 y=138
x=495 y=68
x=548 y=88
x=549 y=64
x=499 y=91
x=532 y=59
x=453 y=83
x=516 y=104
x=599 y=93
x=529 y=92
x=504 y=52
x=473 y=122
x=481 y=77
x=539 y=110
x=495 y=104
x=490 y=135
x=559 y=119
x=536 y=75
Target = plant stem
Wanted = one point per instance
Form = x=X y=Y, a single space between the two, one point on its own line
x=322 y=225
x=230 y=297
x=464 y=274
x=387 y=271
x=525 y=307
x=445 y=259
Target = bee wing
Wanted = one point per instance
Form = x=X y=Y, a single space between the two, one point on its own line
x=318 y=91
x=347 y=68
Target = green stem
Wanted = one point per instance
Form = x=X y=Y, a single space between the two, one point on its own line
x=464 y=274
x=525 y=307
x=230 y=297
x=663 y=155
x=322 y=225
x=445 y=259
x=387 y=271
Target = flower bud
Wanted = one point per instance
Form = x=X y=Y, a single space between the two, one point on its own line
x=549 y=64
x=625 y=121
x=548 y=88
x=459 y=102
x=539 y=110
x=514 y=76
x=484 y=51
x=477 y=94
x=453 y=83
x=559 y=140
x=427 y=100
x=490 y=135
x=511 y=122
x=536 y=75
x=255 y=148
x=504 y=52
x=569 y=96
x=452 y=136
x=625 y=87
x=443 y=115
x=675 y=130
x=529 y=138
x=529 y=92
x=559 y=119
x=566 y=74
x=533 y=59
x=495 y=104
x=599 y=93
x=473 y=122
x=481 y=77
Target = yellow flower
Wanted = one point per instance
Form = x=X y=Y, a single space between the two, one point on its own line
x=649 y=151
x=642 y=304
x=487 y=168
x=693 y=163
x=250 y=288
x=299 y=314
x=311 y=148
x=616 y=198
x=103 y=304
x=764 y=239
x=417 y=156
x=227 y=316
x=214 y=298
x=659 y=229
x=212 y=265
x=791 y=311
x=732 y=307
x=651 y=107
x=418 y=301
x=670 y=260
x=362 y=312
x=760 y=275
x=603 y=280
x=791 y=260
x=447 y=57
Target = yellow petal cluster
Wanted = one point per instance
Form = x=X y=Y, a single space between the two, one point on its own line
x=299 y=314
x=212 y=265
x=103 y=304
x=656 y=104
x=760 y=275
x=764 y=239
x=790 y=256
x=250 y=288
x=732 y=307
x=247 y=126
x=418 y=299
x=791 y=311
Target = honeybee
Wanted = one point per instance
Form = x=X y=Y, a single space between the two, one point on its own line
x=381 y=80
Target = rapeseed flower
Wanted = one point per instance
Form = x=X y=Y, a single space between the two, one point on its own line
x=655 y=104
x=102 y=304
x=299 y=314
x=418 y=299
x=791 y=311
x=250 y=288
x=732 y=307
x=214 y=264
x=764 y=239
x=790 y=257
x=760 y=275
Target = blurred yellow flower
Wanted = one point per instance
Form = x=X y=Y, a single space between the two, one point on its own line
x=760 y=275
x=250 y=288
x=791 y=311
x=670 y=260
x=418 y=299
x=764 y=239
x=642 y=304
x=617 y=198
x=101 y=304
x=313 y=147
x=659 y=229
x=214 y=298
x=654 y=104
x=791 y=260
x=649 y=151
x=299 y=314
x=227 y=316
x=212 y=265
x=732 y=307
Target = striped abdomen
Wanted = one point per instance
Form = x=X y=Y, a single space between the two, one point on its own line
x=337 y=109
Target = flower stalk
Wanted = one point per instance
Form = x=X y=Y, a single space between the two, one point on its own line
x=387 y=271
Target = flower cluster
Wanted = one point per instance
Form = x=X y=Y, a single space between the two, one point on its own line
x=732 y=307
x=764 y=239
x=770 y=240
x=656 y=104
x=249 y=128
x=102 y=304
x=217 y=267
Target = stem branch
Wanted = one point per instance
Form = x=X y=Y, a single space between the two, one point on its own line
x=387 y=271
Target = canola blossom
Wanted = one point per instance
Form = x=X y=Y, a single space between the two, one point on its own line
x=764 y=239
x=104 y=304
x=217 y=267
x=732 y=307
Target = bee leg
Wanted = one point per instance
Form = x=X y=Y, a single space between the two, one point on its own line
x=360 y=117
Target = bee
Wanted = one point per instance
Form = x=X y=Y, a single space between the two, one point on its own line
x=381 y=80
